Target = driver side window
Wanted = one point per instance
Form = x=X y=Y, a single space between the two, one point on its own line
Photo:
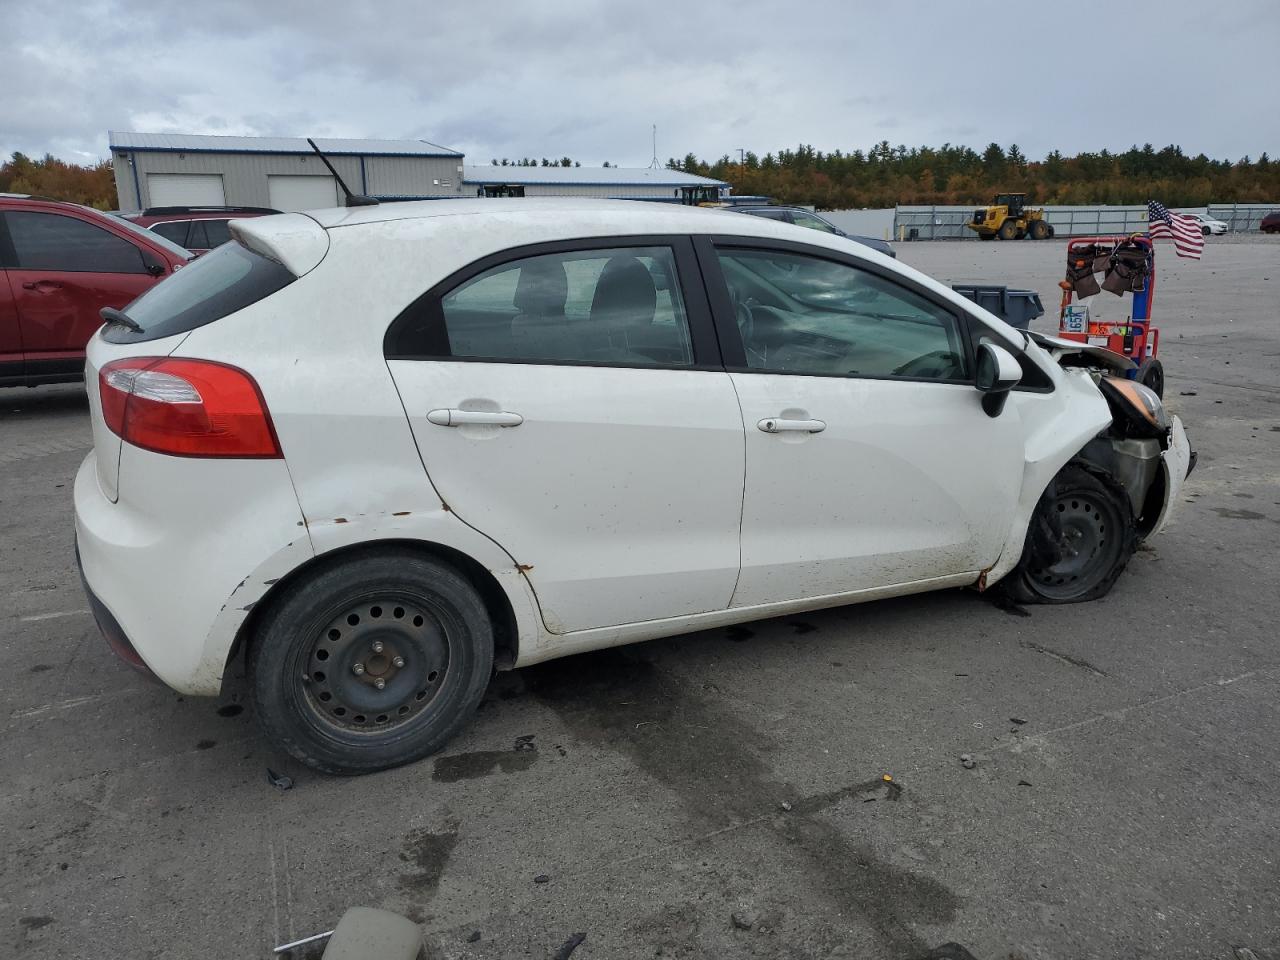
x=804 y=315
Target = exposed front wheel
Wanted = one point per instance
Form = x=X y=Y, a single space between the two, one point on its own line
x=1080 y=539
x=1008 y=230
x=373 y=662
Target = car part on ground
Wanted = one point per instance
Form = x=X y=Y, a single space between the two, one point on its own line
x=364 y=933
x=529 y=439
x=60 y=265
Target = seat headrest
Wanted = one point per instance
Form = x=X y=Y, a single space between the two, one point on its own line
x=625 y=293
x=542 y=288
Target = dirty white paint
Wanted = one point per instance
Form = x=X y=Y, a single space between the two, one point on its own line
x=628 y=504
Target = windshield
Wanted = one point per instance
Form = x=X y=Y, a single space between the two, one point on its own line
x=221 y=282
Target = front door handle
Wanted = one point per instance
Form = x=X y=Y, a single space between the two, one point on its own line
x=457 y=418
x=41 y=285
x=779 y=425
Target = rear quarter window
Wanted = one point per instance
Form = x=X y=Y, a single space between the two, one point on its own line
x=209 y=288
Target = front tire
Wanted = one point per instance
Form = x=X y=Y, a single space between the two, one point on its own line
x=370 y=663
x=1008 y=230
x=1081 y=536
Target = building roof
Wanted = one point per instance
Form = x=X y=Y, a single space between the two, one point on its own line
x=205 y=143
x=585 y=176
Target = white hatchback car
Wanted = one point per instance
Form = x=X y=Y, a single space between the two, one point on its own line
x=374 y=453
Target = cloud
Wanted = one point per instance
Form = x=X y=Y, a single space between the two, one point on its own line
x=588 y=78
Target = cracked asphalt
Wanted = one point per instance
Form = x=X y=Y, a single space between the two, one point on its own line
x=722 y=794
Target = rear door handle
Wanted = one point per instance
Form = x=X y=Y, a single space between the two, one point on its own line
x=41 y=285
x=456 y=418
x=779 y=425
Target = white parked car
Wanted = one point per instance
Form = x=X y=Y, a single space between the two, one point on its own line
x=372 y=454
x=1208 y=225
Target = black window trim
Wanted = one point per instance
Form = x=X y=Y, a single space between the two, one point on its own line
x=734 y=354
x=9 y=252
x=702 y=332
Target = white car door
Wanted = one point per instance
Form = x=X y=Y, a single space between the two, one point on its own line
x=870 y=462
x=567 y=404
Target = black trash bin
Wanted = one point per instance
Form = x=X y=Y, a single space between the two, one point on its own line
x=1015 y=307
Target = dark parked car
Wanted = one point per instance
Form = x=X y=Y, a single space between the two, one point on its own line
x=60 y=263
x=1271 y=222
x=803 y=218
x=199 y=229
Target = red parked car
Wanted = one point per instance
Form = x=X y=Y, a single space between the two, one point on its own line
x=60 y=263
x=199 y=229
x=1271 y=222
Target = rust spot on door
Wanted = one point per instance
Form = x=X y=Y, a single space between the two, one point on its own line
x=524 y=567
x=339 y=519
x=401 y=513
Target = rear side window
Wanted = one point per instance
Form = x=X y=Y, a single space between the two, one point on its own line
x=51 y=241
x=175 y=231
x=209 y=288
x=602 y=306
x=216 y=233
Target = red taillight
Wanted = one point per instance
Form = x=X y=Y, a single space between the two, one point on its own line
x=186 y=408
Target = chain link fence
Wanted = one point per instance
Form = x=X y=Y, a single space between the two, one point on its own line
x=1241 y=217
x=949 y=222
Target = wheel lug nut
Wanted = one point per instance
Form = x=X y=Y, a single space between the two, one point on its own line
x=377 y=646
x=379 y=683
x=358 y=669
x=398 y=662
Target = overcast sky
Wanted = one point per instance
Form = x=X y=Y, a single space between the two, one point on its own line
x=587 y=79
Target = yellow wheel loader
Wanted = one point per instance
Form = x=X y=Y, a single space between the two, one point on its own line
x=1009 y=219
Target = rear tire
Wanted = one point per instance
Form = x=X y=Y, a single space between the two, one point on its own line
x=1039 y=230
x=1081 y=536
x=409 y=622
x=1151 y=374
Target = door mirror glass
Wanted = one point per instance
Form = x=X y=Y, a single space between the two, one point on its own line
x=998 y=372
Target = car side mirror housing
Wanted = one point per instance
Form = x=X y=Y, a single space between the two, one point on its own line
x=998 y=373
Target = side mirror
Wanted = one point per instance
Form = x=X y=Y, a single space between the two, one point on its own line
x=151 y=263
x=998 y=373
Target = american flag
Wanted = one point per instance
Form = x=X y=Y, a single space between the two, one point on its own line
x=1185 y=232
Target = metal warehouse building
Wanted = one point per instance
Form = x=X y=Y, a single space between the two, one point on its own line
x=162 y=170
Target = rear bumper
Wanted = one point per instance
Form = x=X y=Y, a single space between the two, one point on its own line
x=110 y=628
x=173 y=568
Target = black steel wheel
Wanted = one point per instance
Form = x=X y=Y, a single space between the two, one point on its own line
x=1080 y=539
x=371 y=662
x=1151 y=374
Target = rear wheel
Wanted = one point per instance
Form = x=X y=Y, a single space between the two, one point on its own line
x=371 y=663
x=1039 y=230
x=1080 y=539
x=1008 y=230
x=1151 y=374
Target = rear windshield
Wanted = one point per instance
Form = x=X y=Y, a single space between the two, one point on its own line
x=221 y=282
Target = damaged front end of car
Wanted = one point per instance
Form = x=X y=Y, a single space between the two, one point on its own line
x=1144 y=449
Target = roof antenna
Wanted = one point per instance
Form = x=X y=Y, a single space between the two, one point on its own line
x=353 y=199
x=654 y=164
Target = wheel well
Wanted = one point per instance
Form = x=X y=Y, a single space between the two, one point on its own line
x=505 y=633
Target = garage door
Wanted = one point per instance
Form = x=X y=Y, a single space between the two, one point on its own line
x=185 y=190
x=289 y=193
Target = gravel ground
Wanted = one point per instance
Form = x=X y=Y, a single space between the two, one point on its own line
x=1123 y=801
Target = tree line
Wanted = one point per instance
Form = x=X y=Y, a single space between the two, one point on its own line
x=885 y=176
x=882 y=176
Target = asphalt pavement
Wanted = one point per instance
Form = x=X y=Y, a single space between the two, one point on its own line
x=792 y=788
